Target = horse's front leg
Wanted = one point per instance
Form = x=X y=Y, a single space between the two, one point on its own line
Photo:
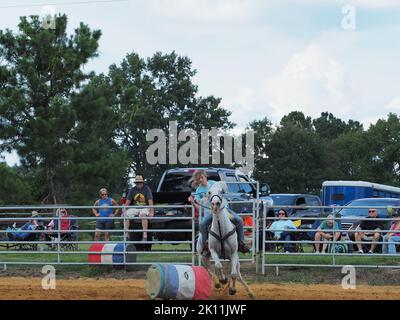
x=218 y=268
x=234 y=272
x=206 y=263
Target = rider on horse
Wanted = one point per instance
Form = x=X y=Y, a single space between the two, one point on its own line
x=200 y=180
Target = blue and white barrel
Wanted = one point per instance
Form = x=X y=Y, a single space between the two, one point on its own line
x=178 y=282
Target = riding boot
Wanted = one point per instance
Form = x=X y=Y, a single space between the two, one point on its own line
x=242 y=247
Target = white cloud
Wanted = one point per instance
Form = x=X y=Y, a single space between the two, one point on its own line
x=375 y=4
x=393 y=105
x=206 y=10
x=369 y=4
x=312 y=82
x=243 y=105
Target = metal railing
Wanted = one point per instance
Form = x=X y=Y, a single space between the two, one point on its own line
x=344 y=238
x=60 y=247
x=76 y=250
x=39 y=249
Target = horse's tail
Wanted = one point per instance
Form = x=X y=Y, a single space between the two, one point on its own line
x=245 y=285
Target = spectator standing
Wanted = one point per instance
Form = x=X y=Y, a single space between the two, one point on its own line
x=104 y=215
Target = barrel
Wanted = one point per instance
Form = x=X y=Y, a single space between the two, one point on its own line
x=178 y=282
x=111 y=253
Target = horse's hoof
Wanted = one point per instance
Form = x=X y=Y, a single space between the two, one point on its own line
x=217 y=286
x=224 y=281
x=232 y=291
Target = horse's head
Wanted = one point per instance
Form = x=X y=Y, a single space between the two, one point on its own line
x=215 y=196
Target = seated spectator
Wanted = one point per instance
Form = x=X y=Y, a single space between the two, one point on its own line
x=325 y=233
x=373 y=231
x=140 y=195
x=62 y=224
x=64 y=221
x=34 y=220
x=390 y=239
x=281 y=229
x=23 y=232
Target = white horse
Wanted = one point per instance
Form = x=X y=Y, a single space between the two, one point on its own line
x=222 y=240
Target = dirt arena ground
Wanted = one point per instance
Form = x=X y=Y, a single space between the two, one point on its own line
x=132 y=289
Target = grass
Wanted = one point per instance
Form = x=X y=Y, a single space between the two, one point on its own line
x=76 y=256
x=329 y=259
x=186 y=257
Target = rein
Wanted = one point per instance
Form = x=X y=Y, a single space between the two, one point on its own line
x=222 y=239
x=205 y=207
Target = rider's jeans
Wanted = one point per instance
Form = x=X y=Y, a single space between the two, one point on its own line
x=207 y=219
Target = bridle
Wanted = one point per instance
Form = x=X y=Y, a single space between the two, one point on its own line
x=219 y=237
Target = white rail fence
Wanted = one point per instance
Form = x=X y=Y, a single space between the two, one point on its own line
x=340 y=251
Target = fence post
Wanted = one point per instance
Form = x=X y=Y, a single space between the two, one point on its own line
x=58 y=235
x=123 y=236
x=253 y=237
x=193 y=237
x=263 y=245
x=255 y=214
x=334 y=244
x=255 y=231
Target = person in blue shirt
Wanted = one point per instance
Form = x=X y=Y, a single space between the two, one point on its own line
x=203 y=185
x=281 y=229
x=104 y=216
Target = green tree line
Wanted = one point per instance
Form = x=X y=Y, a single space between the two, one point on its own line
x=300 y=153
x=77 y=131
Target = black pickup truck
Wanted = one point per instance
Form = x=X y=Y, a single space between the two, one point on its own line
x=174 y=189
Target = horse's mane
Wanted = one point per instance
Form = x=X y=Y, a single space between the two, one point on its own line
x=219 y=187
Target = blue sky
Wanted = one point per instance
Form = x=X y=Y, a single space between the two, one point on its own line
x=262 y=57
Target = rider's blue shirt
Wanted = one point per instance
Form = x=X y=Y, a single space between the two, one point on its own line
x=201 y=190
